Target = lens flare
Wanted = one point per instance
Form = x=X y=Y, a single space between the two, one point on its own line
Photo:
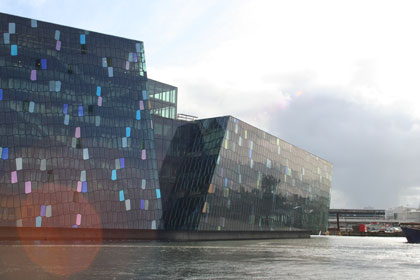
x=50 y=253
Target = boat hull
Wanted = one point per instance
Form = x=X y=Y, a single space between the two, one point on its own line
x=412 y=234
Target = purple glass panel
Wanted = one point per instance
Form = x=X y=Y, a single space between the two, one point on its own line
x=43 y=209
x=14 y=177
x=58 y=45
x=33 y=75
x=77 y=132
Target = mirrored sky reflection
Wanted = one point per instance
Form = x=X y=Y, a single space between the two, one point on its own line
x=337 y=79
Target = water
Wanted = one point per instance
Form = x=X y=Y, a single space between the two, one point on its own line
x=320 y=257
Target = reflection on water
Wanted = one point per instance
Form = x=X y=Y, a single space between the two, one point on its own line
x=315 y=258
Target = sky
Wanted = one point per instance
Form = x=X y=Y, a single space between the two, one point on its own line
x=336 y=78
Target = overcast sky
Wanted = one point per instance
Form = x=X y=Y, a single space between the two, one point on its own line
x=337 y=78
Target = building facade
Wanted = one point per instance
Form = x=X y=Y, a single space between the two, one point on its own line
x=230 y=175
x=87 y=140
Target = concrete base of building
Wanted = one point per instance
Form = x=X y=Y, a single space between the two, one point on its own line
x=68 y=234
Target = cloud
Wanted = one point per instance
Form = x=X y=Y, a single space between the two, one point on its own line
x=374 y=149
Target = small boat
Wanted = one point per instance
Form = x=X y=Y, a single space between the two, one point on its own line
x=411 y=232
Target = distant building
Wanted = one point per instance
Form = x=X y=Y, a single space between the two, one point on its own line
x=347 y=219
x=404 y=214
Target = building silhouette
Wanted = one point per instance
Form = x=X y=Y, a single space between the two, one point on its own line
x=88 y=141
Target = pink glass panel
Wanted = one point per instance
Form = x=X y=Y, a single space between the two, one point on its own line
x=14 y=177
x=77 y=132
x=143 y=154
x=78 y=219
x=33 y=75
x=28 y=187
x=58 y=45
x=141 y=105
x=100 y=101
x=79 y=186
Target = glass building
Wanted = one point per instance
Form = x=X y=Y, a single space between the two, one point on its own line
x=88 y=141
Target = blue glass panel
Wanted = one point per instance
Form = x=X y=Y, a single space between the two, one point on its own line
x=114 y=175
x=57 y=35
x=226 y=182
x=142 y=204
x=121 y=195
x=80 y=111
x=250 y=153
x=98 y=91
x=38 y=221
x=138 y=116
x=122 y=163
x=5 y=153
x=66 y=119
x=12 y=27
x=43 y=64
x=31 y=106
x=14 y=50
x=157 y=193
x=1 y=94
x=82 y=39
x=84 y=187
x=145 y=95
x=6 y=38
x=65 y=108
x=127 y=131
x=57 y=86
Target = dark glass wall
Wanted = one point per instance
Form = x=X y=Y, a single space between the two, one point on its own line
x=224 y=174
x=76 y=134
x=164 y=130
x=264 y=183
x=188 y=169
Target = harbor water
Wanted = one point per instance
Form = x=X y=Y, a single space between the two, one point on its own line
x=320 y=257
